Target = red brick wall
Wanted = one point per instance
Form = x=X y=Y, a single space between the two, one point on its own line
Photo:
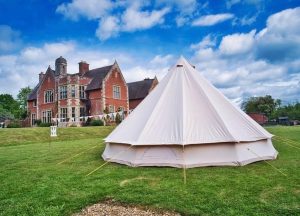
x=48 y=84
x=115 y=78
x=259 y=118
x=31 y=109
x=96 y=102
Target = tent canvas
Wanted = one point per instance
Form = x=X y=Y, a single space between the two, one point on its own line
x=186 y=122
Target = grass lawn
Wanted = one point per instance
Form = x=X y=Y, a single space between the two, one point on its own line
x=33 y=183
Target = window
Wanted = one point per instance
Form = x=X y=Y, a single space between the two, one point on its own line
x=63 y=92
x=48 y=96
x=63 y=114
x=116 y=92
x=34 y=103
x=46 y=116
x=82 y=113
x=111 y=109
x=73 y=91
x=81 y=92
x=73 y=112
x=33 y=119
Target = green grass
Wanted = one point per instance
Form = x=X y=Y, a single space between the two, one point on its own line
x=32 y=183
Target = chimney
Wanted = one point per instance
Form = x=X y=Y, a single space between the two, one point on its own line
x=83 y=67
x=41 y=76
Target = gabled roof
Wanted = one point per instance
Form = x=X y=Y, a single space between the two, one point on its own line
x=33 y=94
x=139 y=89
x=97 y=75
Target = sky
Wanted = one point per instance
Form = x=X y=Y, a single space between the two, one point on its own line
x=244 y=47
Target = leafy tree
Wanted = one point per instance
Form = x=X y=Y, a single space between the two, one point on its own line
x=8 y=103
x=291 y=111
x=4 y=114
x=266 y=105
x=22 y=100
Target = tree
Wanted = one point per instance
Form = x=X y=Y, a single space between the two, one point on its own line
x=22 y=100
x=4 y=114
x=266 y=105
x=8 y=103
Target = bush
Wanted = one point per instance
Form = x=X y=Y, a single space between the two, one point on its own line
x=14 y=125
x=38 y=122
x=97 y=122
x=44 y=125
x=87 y=122
x=118 y=119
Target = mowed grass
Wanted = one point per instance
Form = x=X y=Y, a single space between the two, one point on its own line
x=33 y=183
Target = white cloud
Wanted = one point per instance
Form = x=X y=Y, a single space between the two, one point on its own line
x=114 y=17
x=108 y=27
x=257 y=3
x=207 y=41
x=160 y=60
x=230 y=3
x=47 y=51
x=91 y=9
x=135 y=19
x=280 y=40
x=212 y=19
x=237 y=43
x=184 y=8
x=22 y=69
x=255 y=64
x=9 y=38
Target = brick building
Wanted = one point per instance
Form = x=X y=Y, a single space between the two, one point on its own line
x=260 y=118
x=70 y=97
x=139 y=90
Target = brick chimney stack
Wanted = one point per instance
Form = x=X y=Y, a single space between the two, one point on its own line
x=41 y=76
x=83 y=67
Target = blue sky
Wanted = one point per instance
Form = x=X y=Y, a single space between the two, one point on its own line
x=244 y=47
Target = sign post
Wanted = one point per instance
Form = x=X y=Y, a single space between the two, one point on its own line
x=53 y=130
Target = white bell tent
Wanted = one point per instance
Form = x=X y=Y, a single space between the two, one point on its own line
x=186 y=122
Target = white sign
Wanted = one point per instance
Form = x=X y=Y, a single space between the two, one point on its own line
x=53 y=130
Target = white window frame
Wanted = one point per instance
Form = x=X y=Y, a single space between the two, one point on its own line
x=63 y=114
x=49 y=96
x=46 y=116
x=73 y=90
x=82 y=92
x=34 y=103
x=33 y=119
x=116 y=92
x=63 y=92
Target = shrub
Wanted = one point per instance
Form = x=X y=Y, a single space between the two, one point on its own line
x=118 y=119
x=44 y=124
x=14 y=125
x=96 y=122
x=87 y=122
x=38 y=122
